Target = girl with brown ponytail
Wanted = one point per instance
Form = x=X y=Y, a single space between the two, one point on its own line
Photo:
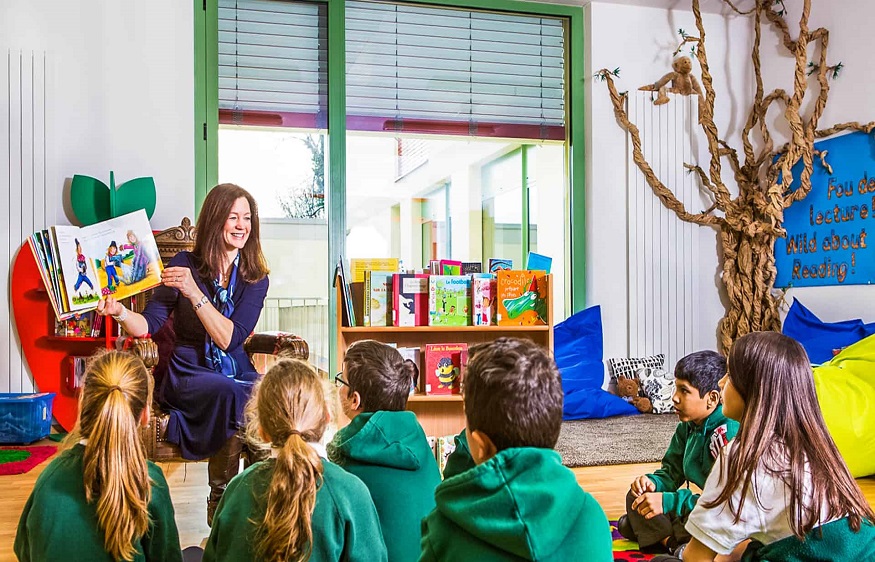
x=295 y=506
x=100 y=499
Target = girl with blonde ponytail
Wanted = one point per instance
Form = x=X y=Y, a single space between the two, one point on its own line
x=295 y=506
x=100 y=499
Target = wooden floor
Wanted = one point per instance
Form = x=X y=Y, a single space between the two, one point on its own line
x=608 y=484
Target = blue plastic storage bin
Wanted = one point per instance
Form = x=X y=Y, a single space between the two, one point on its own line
x=25 y=418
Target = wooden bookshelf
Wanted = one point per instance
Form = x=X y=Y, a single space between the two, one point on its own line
x=440 y=414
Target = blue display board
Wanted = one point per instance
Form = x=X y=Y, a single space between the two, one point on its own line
x=827 y=232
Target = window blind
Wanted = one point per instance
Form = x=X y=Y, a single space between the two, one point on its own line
x=273 y=63
x=455 y=71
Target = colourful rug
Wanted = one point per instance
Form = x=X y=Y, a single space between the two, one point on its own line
x=626 y=550
x=18 y=460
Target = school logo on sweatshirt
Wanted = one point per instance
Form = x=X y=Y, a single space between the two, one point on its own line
x=718 y=440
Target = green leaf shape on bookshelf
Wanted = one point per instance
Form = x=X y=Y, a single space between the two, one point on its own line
x=93 y=201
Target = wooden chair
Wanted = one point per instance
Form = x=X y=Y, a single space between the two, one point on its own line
x=156 y=349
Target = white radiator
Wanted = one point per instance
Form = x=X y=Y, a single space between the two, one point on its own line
x=663 y=250
x=22 y=186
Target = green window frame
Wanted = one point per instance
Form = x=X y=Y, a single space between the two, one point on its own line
x=206 y=125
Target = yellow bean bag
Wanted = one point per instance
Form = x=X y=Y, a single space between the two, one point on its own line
x=846 y=391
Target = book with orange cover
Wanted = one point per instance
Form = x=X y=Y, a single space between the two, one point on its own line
x=521 y=298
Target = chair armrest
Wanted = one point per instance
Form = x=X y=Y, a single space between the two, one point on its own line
x=144 y=348
x=278 y=343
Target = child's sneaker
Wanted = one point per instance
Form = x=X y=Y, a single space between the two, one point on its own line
x=625 y=528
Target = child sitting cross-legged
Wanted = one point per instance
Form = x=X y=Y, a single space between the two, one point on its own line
x=384 y=444
x=519 y=502
x=296 y=505
x=781 y=484
x=657 y=505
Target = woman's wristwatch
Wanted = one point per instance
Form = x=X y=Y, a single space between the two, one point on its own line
x=121 y=316
x=204 y=300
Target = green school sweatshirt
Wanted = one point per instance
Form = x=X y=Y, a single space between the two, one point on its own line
x=521 y=504
x=460 y=459
x=390 y=453
x=59 y=524
x=833 y=542
x=345 y=525
x=690 y=456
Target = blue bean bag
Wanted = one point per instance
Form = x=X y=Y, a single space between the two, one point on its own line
x=578 y=348
x=822 y=340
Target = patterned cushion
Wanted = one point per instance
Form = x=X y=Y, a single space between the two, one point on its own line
x=658 y=385
x=626 y=367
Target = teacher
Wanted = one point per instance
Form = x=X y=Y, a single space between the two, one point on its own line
x=215 y=294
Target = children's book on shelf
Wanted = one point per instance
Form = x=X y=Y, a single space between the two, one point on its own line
x=80 y=265
x=522 y=298
x=346 y=304
x=410 y=299
x=75 y=372
x=496 y=264
x=483 y=293
x=450 y=267
x=414 y=354
x=539 y=262
x=449 y=300
x=358 y=266
x=443 y=367
x=469 y=267
x=444 y=447
x=377 y=298
x=76 y=326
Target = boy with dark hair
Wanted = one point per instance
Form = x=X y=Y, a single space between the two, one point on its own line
x=384 y=445
x=657 y=506
x=518 y=502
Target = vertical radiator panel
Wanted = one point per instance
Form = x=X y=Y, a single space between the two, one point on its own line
x=663 y=250
x=22 y=187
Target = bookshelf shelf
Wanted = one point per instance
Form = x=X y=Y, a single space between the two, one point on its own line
x=435 y=398
x=439 y=414
x=73 y=339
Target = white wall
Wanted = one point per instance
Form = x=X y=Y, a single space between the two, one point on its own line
x=851 y=98
x=120 y=92
x=641 y=41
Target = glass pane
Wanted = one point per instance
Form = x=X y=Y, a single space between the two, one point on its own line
x=285 y=172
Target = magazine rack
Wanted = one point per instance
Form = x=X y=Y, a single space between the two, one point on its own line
x=156 y=351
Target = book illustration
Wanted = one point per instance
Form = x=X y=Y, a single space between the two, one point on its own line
x=522 y=298
x=539 y=262
x=76 y=326
x=496 y=264
x=410 y=299
x=449 y=298
x=443 y=364
x=444 y=447
x=450 y=267
x=483 y=293
x=358 y=266
x=377 y=292
x=79 y=265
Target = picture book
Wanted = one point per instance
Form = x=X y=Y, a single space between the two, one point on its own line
x=483 y=293
x=377 y=298
x=496 y=264
x=358 y=266
x=434 y=267
x=80 y=265
x=346 y=307
x=469 y=267
x=539 y=262
x=414 y=354
x=410 y=299
x=521 y=298
x=449 y=300
x=450 y=267
x=75 y=374
x=76 y=326
x=444 y=447
x=443 y=367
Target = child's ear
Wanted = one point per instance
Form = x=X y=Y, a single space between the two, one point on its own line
x=355 y=401
x=145 y=415
x=713 y=398
x=481 y=446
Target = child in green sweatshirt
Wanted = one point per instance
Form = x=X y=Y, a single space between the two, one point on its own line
x=101 y=500
x=295 y=505
x=657 y=505
x=384 y=444
x=519 y=502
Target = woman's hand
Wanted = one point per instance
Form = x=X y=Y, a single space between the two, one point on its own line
x=180 y=279
x=109 y=307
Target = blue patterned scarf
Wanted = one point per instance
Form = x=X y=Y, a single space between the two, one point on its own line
x=217 y=359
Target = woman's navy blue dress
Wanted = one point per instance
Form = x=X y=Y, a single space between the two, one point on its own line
x=205 y=406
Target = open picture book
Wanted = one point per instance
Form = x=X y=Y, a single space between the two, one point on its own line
x=81 y=265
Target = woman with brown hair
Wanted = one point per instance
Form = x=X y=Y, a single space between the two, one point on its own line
x=295 y=506
x=215 y=295
x=782 y=482
x=101 y=499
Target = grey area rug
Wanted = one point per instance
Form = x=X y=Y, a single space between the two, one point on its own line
x=617 y=440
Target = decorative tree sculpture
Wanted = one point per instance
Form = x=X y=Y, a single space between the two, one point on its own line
x=751 y=221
